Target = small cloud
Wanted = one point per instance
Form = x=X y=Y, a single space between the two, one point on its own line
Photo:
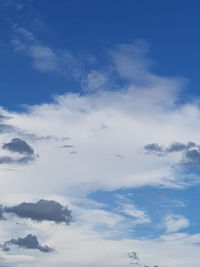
x=120 y=156
x=28 y=242
x=153 y=148
x=67 y=146
x=176 y=147
x=18 y=145
x=140 y=216
x=136 y=261
x=94 y=81
x=175 y=223
x=133 y=257
x=48 y=210
x=73 y=152
x=21 y=161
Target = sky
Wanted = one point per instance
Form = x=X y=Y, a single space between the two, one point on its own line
x=99 y=133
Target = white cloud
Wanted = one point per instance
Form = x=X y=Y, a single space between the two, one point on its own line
x=140 y=216
x=143 y=111
x=95 y=80
x=174 y=223
x=45 y=58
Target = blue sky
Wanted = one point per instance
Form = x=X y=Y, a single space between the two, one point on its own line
x=90 y=28
x=99 y=133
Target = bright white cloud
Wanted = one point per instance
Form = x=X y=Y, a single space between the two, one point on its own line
x=98 y=127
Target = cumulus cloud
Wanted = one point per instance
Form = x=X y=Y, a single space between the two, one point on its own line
x=48 y=210
x=28 y=242
x=18 y=145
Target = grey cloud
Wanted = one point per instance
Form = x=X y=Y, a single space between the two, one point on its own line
x=120 y=156
x=19 y=161
x=6 y=160
x=1 y=213
x=176 y=147
x=3 y=117
x=192 y=157
x=49 y=210
x=67 y=146
x=136 y=261
x=73 y=152
x=28 y=242
x=190 y=152
x=6 y=128
x=153 y=148
x=191 y=144
x=18 y=145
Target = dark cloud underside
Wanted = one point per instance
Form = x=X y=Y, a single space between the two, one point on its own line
x=49 y=210
x=28 y=242
x=18 y=145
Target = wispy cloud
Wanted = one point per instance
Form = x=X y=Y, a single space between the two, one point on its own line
x=174 y=223
x=45 y=58
x=140 y=216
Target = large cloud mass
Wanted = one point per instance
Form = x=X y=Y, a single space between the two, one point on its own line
x=118 y=135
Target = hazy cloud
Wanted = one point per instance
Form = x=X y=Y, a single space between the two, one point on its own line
x=21 y=161
x=49 y=210
x=28 y=242
x=6 y=128
x=45 y=58
x=3 y=117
